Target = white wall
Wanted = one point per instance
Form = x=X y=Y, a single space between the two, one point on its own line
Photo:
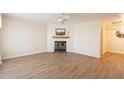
x=0 y=31
x=86 y=38
x=0 y=20
x=51 y=32
x=114 y=44
x=104 y=41
x=19 y=37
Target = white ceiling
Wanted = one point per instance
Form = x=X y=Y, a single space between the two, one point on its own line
x=52 y=17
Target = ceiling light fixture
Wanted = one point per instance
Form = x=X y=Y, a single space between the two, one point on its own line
x=63 y=18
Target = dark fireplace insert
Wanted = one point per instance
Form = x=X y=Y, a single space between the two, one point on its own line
x=60 y=46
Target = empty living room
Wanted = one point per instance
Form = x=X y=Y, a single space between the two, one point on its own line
x=61 y=46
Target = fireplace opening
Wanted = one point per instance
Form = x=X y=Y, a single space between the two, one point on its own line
x=60 y=46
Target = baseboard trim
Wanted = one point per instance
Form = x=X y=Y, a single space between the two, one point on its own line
x=23 y=55
x=85 y=54
x=116 y=52
x=45 y=52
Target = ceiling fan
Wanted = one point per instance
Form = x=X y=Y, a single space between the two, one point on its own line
x=63 y=18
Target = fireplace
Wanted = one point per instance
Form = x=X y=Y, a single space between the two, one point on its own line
x=60 y=46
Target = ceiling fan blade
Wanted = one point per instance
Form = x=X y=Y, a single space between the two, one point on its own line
x=66 y=17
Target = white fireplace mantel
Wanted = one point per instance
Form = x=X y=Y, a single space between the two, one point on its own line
x=52 y=37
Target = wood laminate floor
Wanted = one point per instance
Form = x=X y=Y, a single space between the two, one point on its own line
x=63 y=66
